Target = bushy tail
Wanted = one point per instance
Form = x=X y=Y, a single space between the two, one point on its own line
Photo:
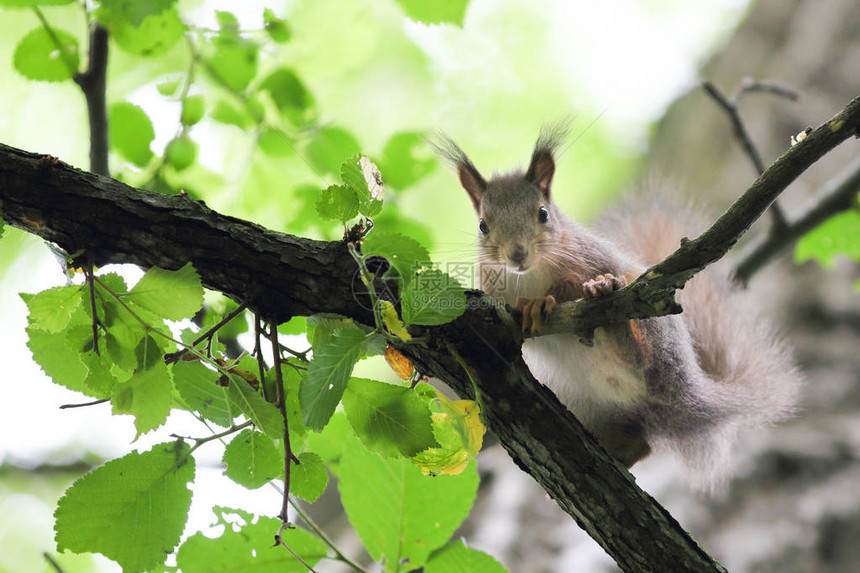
x=751 y=370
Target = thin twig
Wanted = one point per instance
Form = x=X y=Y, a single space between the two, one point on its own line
x=325 y=538
x=85 y=404
x=731 y=107
x=208 y=335
x=200 y=441
x=280 y=541
x=837 y=195
x=50 y=559
x=88 y=272
x=282 y=405
x=258 y=353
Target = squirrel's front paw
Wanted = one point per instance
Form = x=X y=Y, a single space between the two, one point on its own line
x=534 y=311
x=602 y=285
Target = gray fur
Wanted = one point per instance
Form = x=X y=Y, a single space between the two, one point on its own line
x=713 y=372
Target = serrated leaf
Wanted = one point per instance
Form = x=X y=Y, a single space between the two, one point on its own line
x=329 y=147
x=309 y=478
x=452 y=11
x=51 y=310
x=132 y=509
x=199 y=389
x=131 y=132
x=251 y=403
x=147 y=395
x=400 y=515
x=404 y=253
x=49 y=57
x=432 y=298
x=173 y=295
x=839 y=235
x=58 y=360
x=331 y=441
x=249 y=547
x=328 y=374
x=252 y=459
x=180 y=152
x=460 y=433
x=455 y=557
x=277 y=28
x=338 y=203
x=99 y=380
x=389 y=420
x=354 y=173
x=193 y=109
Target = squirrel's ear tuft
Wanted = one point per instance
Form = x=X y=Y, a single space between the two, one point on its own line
x=470 y=178
x=542 y=166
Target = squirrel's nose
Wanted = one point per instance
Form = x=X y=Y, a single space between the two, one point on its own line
x=518 y=253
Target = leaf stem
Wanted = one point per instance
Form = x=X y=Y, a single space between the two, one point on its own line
x=282 y=405
x=200 y=441
x=208 y=335
x=88 y=271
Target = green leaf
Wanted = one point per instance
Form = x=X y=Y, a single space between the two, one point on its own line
x=337 y=202
x=193 y=109
x=455 y=557
x=49 y=57
x=56 y=359
x=32 y=3
x=227 y=21
x=199 y=388
x=147 y=395
x=249 y=547
x=328 y=374
x=274 y=142
x=229 y=114
x=289 y=94
x=331 y=441
x=132 y=12
x=51 y=310
x=406 y=159
x=354 y=178
x=432 y=298
x=100 y=380
x=309 y=478
x=132 y=509
x=252 y=460
x=296 y=325
x=167 y=87
x=277 y=28
x=400 y=515
x=181 y=152
x=265 y=415
x=404 y=253
x=154 y=35
x=839 y=235
x=390 y=420
x=235 y=64
x=331 y=145
x=131 y=132
x=173 y=295
x=440 y=12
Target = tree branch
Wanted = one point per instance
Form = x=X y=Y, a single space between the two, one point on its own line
x=837 y=195
x=93 y=84
x=281 y=276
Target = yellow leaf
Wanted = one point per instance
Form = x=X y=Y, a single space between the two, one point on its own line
x=460 y=433
x=392 y=322
x=465 y=417
x=401 y=365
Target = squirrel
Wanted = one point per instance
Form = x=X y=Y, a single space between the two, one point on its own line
x=687 y=383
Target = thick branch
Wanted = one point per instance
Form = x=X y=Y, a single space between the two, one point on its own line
x=281 y=276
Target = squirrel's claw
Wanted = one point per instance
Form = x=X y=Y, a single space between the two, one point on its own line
x=534 y=311
x=602 y=285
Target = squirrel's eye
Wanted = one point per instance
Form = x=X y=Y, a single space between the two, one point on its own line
x=483 y=227
x=543 y=215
